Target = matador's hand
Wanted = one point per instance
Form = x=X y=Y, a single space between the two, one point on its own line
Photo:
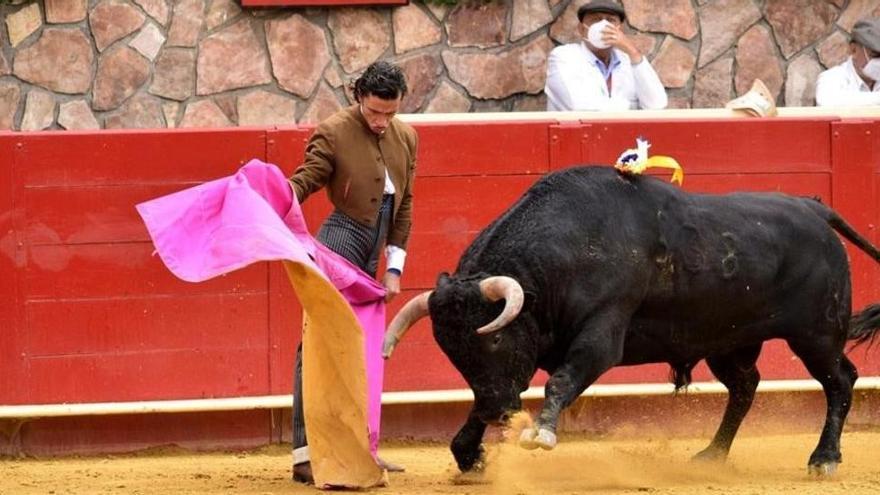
x=391 y=281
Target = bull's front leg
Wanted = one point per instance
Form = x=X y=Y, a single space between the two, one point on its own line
x=590 y=355
x=467 y=445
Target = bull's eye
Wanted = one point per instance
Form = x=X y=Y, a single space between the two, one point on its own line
x=496 y=340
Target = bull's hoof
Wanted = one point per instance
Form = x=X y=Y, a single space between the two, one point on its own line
x=824 y=470
x=527 y=439
x=531 y=439
x=710 y=454
x=470 y=478
x=477 y=465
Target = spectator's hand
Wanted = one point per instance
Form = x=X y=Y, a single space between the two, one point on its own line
x=391 y=281
x=614 y=36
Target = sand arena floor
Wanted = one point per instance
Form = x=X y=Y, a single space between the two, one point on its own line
x=758 y=465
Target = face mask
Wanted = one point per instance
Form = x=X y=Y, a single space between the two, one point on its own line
x=872 y=68
x=594 y=34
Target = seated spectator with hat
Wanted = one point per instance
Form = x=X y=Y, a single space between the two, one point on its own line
x=604 y=70
x=854 y=82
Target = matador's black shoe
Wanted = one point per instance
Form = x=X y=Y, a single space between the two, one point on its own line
x=303 y=473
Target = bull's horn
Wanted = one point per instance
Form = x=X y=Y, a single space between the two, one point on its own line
x=495 y=288
x=409 y=314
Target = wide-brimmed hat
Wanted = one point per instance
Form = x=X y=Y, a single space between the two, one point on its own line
x=606 y=6
x=867 y=33
x=757 y=102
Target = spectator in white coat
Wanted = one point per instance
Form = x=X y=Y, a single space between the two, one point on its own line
x=604 y=70
x=854 y=82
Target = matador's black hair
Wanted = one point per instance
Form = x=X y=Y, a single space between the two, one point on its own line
x=382 y=79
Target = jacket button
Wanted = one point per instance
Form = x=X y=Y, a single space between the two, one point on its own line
x=378 y=179
x=373 y=200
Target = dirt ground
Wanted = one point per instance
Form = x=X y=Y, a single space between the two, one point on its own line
x=757 y=466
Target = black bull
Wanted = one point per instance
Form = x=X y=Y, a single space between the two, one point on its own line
x=592 y=269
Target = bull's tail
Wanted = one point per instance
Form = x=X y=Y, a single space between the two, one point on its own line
x=839 y=224
x=864 y=325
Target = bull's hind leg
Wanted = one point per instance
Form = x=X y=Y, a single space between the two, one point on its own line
x=737 y=371
x=830 y=367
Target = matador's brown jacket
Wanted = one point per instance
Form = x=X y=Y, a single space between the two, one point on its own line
x=350 y=159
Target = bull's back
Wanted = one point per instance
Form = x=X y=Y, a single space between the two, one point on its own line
x=643 y=235
x=568 y=219
x=745 y=242
x=742 y=268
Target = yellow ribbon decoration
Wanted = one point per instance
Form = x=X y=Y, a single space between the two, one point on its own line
x=636 y=162
x=660 y=161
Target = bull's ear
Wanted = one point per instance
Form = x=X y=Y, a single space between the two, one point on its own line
x=528 y=300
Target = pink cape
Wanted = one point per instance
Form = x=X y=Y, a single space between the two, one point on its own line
x=229 y=223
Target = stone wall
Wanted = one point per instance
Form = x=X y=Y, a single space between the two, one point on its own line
x=88 y=64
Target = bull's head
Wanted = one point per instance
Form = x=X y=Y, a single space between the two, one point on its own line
x=479 y=324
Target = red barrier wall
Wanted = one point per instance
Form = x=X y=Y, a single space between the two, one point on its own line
x=88 y=314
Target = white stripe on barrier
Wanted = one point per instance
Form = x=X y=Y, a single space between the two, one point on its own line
x=420 y=397
x=869 y=112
